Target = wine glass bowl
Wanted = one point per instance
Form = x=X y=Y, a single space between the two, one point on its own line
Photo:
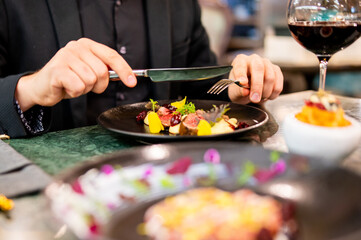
x=324 y=27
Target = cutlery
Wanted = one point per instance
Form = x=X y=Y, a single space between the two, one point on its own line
x=178 y=74
x=223 y=84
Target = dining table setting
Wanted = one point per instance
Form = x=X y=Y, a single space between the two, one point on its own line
x=44 y=175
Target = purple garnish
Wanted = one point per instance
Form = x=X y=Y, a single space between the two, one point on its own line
x=148 y=172
x=187 y=181
x=212 y=156
x=180 y=166
x=279 y=167
x=107 y=169
x=111 y=206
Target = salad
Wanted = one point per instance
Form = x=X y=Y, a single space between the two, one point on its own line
x=183 y=118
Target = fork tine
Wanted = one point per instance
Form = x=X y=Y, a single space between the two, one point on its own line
x=216 y=87
x=225 y=86
x=219 y=85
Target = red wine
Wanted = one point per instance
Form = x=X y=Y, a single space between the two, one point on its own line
x=325 y=38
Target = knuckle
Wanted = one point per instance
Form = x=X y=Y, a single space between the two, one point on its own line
x=92 y=79
x=257 y=65
x=102 y=72
x=83 y=40
x=71 y=44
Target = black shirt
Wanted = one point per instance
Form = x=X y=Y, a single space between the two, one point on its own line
x=121 y=26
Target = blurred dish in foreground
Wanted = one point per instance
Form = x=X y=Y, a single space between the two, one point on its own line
x=210 y=213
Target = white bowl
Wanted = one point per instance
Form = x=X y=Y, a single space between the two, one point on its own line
x=331 y=144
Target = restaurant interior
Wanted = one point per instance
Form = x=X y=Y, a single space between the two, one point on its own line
x=260 y=27
x=289 y=172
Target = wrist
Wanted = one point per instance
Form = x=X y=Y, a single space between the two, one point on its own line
x=23 y=93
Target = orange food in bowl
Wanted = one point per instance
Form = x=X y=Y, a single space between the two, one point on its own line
x=323 y=109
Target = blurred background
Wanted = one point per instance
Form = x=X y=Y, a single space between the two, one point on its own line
x=260 y=26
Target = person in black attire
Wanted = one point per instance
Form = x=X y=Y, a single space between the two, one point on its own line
x=55 y=56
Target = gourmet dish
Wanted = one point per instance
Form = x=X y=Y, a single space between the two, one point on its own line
x=323 y=109
x=86 y=203
x=183 y=118
x=210 y=213
x=322 y=129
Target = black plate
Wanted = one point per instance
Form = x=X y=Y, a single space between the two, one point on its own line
x=327 y=199
x=121 y=119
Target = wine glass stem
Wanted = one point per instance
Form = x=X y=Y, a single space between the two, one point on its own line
x=323 y=70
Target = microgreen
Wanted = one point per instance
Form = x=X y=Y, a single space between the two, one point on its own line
x=187 y=109
x=154 y=104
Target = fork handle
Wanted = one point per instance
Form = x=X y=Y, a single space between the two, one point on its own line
x=242 y=86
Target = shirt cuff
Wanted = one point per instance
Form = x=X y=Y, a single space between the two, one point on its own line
x=32 y=119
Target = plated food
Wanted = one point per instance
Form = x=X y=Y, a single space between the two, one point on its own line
x=88 y=200
x=183 y=118
x=122 y=120
x=211 y=213
x=323 y=109
x=321 y=129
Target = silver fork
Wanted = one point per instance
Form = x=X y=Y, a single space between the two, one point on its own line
x=223 y=84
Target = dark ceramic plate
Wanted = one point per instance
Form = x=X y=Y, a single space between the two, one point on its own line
x=121 y=119
x=326 y=200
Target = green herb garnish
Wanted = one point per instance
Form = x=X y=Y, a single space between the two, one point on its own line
x=187 y=109
x=154 y=104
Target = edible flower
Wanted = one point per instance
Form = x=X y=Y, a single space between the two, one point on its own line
x=107 y=169
x=6 y=204
x=179 y=104
x=155 y=125
x=204 y=128
x=212 y=156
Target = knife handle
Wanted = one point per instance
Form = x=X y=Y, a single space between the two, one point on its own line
x=140 y=73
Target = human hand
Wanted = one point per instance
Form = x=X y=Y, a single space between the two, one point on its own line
x=264 y=79
x=78 y=68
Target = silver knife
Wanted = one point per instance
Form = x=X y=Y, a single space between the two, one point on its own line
x=178 y=74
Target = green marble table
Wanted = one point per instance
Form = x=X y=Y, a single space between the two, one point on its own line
x=56 y=151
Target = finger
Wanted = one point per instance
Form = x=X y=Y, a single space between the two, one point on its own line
x=83 y=71
x=99 y=69
x=240 y=69
x=269 y=79
x=256 y=69
x=278 y=85
x=112 y=59
x=71 y=84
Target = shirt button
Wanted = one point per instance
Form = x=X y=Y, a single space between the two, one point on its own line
x=120 y=96
x=123 y=50
x=118 y=2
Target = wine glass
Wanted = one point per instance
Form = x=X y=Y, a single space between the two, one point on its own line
x=324 y=27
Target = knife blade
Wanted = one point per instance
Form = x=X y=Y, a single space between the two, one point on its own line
x=178 y=74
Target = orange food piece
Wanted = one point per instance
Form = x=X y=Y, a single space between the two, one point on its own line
x=320 y=117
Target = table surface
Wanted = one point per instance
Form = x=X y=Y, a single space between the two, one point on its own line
x=56 y=151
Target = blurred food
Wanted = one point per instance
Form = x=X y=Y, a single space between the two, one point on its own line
x=210 y=213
